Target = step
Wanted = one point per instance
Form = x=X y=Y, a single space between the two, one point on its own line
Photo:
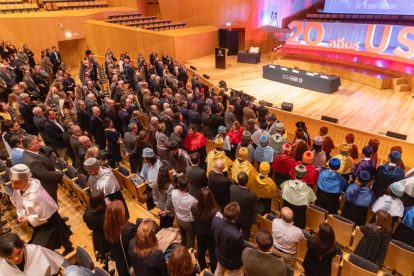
x=401 y=88
x=399 y=81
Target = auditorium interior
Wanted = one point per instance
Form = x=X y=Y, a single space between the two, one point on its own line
x=312 y=100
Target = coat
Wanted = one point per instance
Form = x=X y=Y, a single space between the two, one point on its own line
x=43 y=169
x=247 y=201
x=219 y=185
x=97 y=130
x=54 y=134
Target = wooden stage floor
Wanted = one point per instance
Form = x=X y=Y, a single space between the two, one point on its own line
x=355 y=105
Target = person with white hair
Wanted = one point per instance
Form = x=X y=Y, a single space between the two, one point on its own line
x=102 y=179
x=36 y=207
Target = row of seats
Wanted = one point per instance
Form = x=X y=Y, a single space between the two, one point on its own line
x=75 y=5
x=56 y=1
x=131 y=19
x=22 y=7
x=10 y=2
x=124 y=15
x=166 y=27
x=348 y=236
x=147 y=23
x=361 y=18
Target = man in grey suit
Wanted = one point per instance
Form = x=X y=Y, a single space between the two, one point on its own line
x=247 y=201
x=41 y=166
x=229 y=117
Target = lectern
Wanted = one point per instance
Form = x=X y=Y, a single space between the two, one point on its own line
x=221 y=58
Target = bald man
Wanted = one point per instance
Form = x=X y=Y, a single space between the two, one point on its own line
x=219 y=184
x=286 y=237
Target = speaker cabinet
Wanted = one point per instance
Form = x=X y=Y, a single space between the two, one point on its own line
x=229 y=39
x=329 y=119
x=287 y=106
x=396 y=135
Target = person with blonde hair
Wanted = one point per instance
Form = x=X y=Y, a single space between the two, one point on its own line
x=146 y=258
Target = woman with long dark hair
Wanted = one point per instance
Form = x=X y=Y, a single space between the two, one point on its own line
x=118 y=232
x=203 y=213
x=321 y=251
x=94 y=217
x=146 y=258
x=162 y=196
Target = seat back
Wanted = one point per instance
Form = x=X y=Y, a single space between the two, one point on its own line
x=82 y=180
x=142 y=192
x=119 y=178
x=336 y=261
x=315 y=216
x=301 y=250
x=400 y=257
x=130 y=187
x=343 y=229
x=83 y=258
x=123 y=170
x=357 y=236
x=61 y=164
x=264 y=223
x=349 y=268
x=71 y=172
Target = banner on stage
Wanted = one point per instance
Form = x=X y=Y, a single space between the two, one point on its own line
x=392 y=40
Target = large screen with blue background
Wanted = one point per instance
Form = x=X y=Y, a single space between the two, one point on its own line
x=401 y=7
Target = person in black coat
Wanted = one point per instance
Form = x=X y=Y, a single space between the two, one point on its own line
x=219 y=184
x=248 y=204
x=54 y=131
x=196 y=176
x=97 y=129
x=229 y=241
x=321 y=251
x=124 y=118
x=41 y=166
x=83 y=116
x=26 y=110
x=94 y=217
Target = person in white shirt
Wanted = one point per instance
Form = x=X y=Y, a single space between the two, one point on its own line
x=36 y=207
x=182 y=202
x=103 y=179
x=390 y=202
x=286 y=237
x=17 y=258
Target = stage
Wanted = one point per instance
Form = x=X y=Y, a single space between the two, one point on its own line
x=355 y=105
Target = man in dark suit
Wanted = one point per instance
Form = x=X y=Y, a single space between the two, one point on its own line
x=247 y=201
x=229 y=241
x=97 y=128
x=41 y=166
x=219 y=184
x=124 y=118
x=194 y=118
x=54 y=132
x=196 y=176
x=54 y=56
x=83 y=117
x=26 y=109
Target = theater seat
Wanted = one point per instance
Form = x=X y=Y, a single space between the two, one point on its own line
x=343 y=229
x=400 y=257
x=84 y=259
x=315 y=216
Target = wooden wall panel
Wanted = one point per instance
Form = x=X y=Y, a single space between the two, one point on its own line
x=71 y=51
x=183 y=44
x=42 y=30
x=212 y=12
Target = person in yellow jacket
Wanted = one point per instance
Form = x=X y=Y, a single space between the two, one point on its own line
x=347 y=163
x=265 y=188
x=216 y=154
x=241 y=164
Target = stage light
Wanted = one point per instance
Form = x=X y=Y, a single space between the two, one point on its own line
x=228 y=24
x=68 y=34
x=277 y=48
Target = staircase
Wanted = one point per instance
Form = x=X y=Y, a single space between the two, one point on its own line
x=400 y=85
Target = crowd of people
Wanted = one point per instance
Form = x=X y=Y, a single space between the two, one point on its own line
x=212 y=197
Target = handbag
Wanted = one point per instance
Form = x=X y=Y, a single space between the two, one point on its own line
x=130 y=268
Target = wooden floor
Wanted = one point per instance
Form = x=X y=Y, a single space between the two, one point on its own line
x=355 y=105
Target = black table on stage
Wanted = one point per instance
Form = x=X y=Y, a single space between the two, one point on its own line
x=300 y=78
